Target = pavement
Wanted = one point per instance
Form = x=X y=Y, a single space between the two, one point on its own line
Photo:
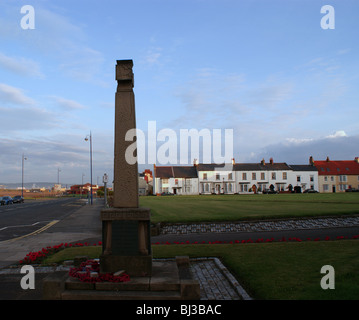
x=84 y=225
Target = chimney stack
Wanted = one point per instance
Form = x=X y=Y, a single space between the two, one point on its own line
x=356 y=159
x=328 y=159
x=263 y=163
x=271 y=160
x=311 y=161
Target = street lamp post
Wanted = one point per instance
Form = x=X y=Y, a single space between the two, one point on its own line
x=86 y=139
x=58 y=175
x=82 y=185
x=22 y=175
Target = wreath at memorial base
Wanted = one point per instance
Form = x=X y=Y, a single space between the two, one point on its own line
x=89 y=271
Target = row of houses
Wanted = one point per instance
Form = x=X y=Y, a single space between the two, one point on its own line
x=242 y=178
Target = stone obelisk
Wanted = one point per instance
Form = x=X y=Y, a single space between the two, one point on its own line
x=125 y=227
x=125 y=186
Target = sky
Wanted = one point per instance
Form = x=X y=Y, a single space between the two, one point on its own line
x=268 y=70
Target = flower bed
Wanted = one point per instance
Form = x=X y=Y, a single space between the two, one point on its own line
x=89 y=271
x=37 y=257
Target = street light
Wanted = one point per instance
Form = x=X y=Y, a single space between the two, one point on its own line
x=22 y=175
x=86 y=139
x=82 y=185
x=58 y=175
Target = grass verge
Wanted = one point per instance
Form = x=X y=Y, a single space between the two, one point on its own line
x=207 y=208
x=284 y=271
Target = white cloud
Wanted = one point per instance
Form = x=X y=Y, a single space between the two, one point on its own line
x=13 y=95
x=269 y=96
x=153 y=55
x=25 y=118
x=338 y=146
x=337 y=134
x=68 y=104
x=20 y=65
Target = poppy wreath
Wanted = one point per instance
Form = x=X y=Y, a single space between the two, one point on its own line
x=37 y=257
x=86 y=268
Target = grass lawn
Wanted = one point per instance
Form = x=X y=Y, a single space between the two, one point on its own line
x=186 y=209
x=284 y=271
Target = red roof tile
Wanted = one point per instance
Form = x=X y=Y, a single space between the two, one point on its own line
x=340 y=167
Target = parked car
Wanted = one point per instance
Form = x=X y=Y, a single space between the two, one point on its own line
x=6 y=200
x=351 y=190
x=310 y=191
x=18 y=199
x=269 y=191
x=166 y=194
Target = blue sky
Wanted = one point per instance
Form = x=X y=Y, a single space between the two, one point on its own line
x=265 y=69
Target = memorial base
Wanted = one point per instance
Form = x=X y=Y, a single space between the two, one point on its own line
x=126 y=241
x=136 y=266
x=170 y=280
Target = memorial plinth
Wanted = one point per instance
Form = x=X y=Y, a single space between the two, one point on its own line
x=126 y=227
x=126 y=241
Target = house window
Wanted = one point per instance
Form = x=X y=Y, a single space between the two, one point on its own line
x=342 y=178
x=331 y=178
x=230 y=187
x=311 y=178
x=298 y=178
x=207 y=187
x=244 y=188
x=254 y=176
x=325 y=187
x=230 y=176
x=325 y=178
x=176 y=182
x=164 y=181
x=217 y=176
x=244 y=176
x=205 y=176
x=273 y=175
x=263 y=176
x=284 y=176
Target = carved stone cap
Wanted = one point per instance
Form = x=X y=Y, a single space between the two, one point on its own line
x=126 y=214
x=124 y=71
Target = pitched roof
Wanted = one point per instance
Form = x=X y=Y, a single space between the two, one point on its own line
x=175 y=172
x=340 y=167
x=303 y=167
x=184 y=172
x=261 y=166
x=163 y=172
x=212 y=166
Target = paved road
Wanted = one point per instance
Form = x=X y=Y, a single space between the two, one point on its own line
x=24 y=218
x=70 y=222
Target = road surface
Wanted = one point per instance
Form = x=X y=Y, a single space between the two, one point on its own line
x=21 y=219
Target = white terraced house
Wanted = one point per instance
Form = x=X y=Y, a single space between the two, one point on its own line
x=235 y=178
